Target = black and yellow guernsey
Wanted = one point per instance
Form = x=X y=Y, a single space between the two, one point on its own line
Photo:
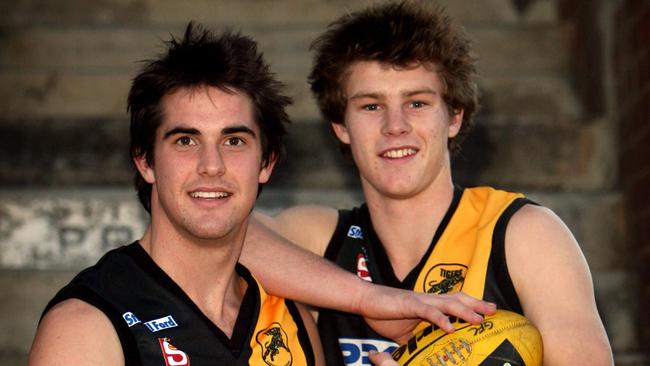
x=158 y=324
x=466 y=254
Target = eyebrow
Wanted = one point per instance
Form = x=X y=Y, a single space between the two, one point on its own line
x=407 y=93
x=238 y=129
x=362 y=95
x=193 y=131
x=410 y=93
x=181 y=130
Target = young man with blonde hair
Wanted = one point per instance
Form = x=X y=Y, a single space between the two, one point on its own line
x=397 y=83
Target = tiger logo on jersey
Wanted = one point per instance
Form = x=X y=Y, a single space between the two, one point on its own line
x=444 y=278
x=273 y=341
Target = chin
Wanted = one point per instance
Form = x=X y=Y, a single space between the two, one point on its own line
x=210 y=231
x=400 y=188
x=399 y=195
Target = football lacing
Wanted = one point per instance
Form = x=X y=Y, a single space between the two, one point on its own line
x=448 y=356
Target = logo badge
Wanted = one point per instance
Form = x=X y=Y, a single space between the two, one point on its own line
x=130 y=319
x=274 y=343
x=162 y=323
x=355 y=350
x=173 y=356
x=444 y=278
x=362 y=268
x=355 y=232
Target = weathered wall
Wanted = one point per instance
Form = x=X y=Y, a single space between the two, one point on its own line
x=630 y=58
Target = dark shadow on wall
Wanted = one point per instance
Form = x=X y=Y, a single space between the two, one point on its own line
x=477 y=150
x=314 y=160
x=57 y=153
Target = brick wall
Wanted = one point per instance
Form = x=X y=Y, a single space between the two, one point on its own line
x=631 y=61
x=611 y=75
x=586 y=53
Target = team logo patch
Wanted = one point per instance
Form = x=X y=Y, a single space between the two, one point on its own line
x=162 y=323
x=274 y=343
x=355 y=232
x=362 y=267
x=130 y=319
x=355 y=350
x=444 y=278
x=173 y=356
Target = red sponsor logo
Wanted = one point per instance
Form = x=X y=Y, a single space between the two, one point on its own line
x=173 y=356
x=362 y=268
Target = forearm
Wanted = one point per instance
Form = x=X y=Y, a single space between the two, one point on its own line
x=286 y=270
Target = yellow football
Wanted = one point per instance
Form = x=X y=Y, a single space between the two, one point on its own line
x=502 y=339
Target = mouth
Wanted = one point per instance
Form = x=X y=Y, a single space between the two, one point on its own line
x=209 y=195
x=399 y=153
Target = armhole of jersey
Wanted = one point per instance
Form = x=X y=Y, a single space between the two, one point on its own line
x=127 y=340
x=249 y=310
x=303 y=335
x=499 y=255
x=334 y=246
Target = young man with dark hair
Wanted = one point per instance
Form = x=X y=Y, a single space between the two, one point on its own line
x=207 y=122
x=397 y=84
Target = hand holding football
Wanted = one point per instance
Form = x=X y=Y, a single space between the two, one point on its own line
x=502 y=339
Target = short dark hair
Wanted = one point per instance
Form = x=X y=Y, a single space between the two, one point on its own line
x=401 y=34
x=228 y=61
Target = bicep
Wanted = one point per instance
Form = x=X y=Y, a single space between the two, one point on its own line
x=552 y=279
x=75 y=333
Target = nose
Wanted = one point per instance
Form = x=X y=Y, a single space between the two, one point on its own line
x=395 y=123
x=211 y=162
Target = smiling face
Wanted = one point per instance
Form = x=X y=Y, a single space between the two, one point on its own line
x=398 y=126
x=207 y=164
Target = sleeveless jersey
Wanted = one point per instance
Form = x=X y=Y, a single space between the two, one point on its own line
x=466 y=254
x=158 y=324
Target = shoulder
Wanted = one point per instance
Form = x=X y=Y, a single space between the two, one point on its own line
x=538 y=216
x=537 y=238
x=74 y=332
x=74 y=312
x=309 y=226
x=532 y=226
x=319 y=217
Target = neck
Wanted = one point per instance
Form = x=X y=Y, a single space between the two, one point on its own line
x=406 y=226
x=204 y=269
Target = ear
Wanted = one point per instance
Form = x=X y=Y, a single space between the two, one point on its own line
x=265 y=172
x=455 y=123
x=146 y=171
x=341 y=132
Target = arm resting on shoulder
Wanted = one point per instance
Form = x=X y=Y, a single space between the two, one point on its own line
x=286 y=269
x=552 y=280
x=76 y=333
x=289 y=271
